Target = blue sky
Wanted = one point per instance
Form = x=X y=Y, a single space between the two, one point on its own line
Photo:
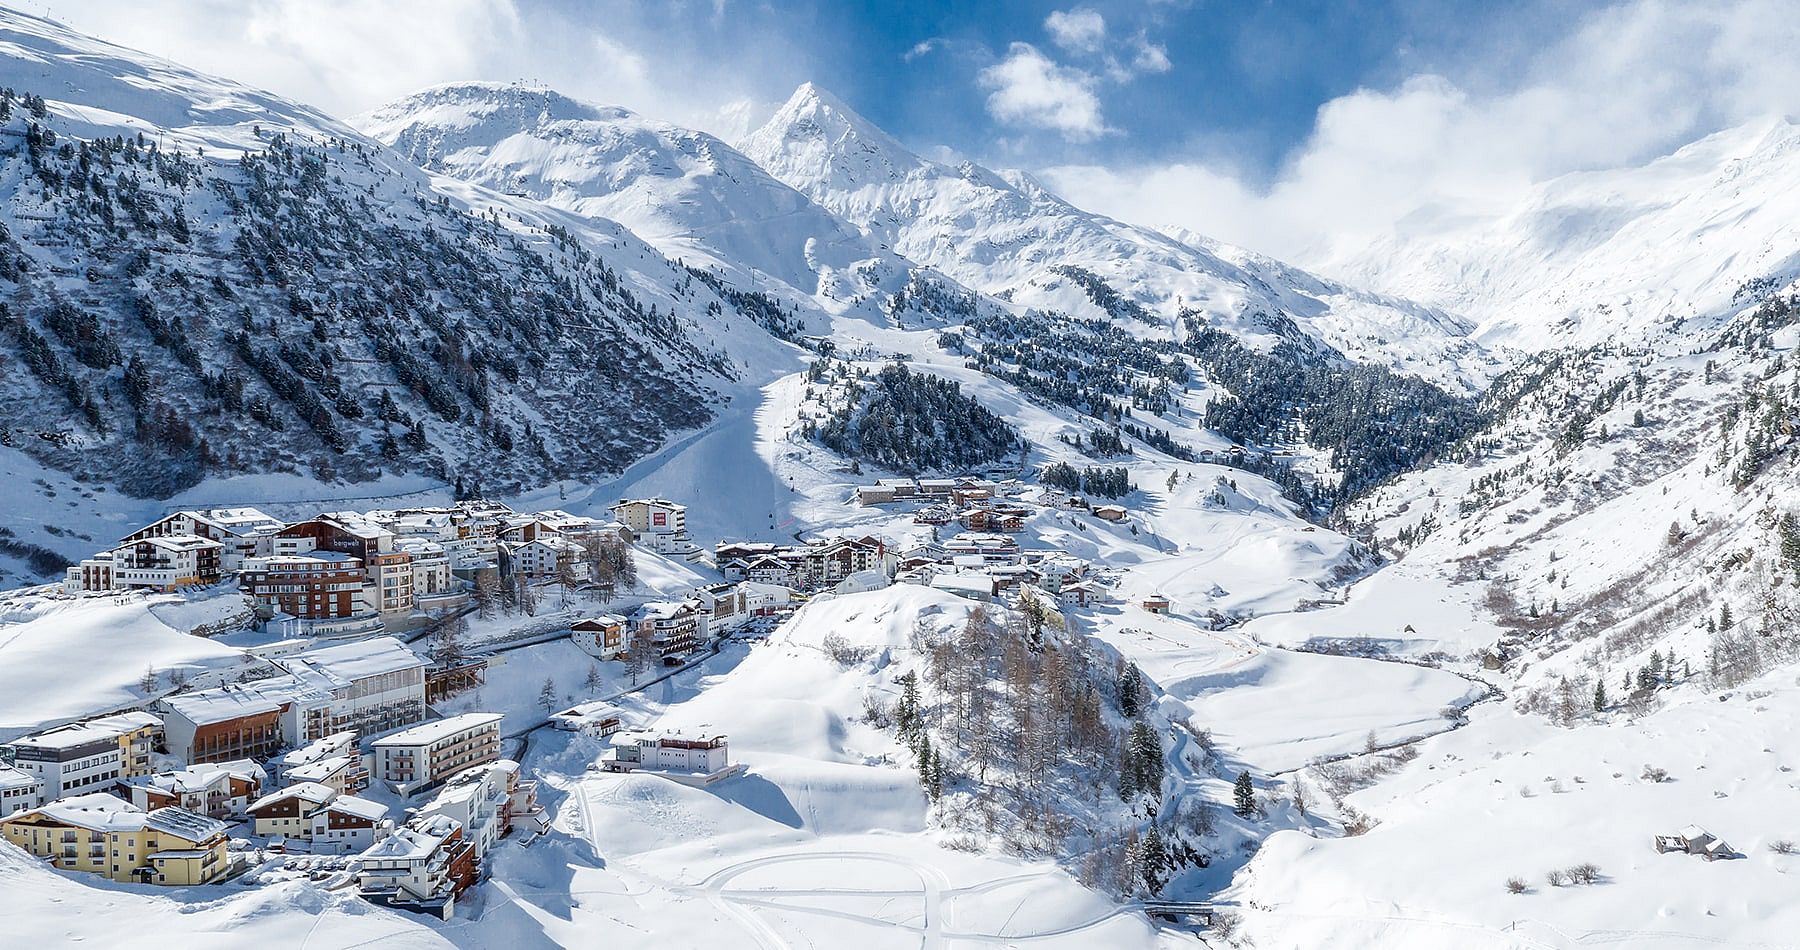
x=1244 y=79
x=1282 y=126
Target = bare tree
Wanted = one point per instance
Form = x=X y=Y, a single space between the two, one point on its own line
x=487 y=593
x=447 y=644
x=640 y=651
x=565 y=579
x=611 y=563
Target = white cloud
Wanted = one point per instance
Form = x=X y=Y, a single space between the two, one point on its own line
x=1028 y=89
x=1080 y=30
x=1151 y=57
x=348 y=56
x=339 y=55
x=1629 y=82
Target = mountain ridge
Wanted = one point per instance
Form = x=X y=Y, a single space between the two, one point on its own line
x=1005 y=234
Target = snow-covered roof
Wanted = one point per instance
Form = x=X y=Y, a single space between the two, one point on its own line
x=419 y=547
x=184 y=824
x=95 y=811
x=359 y=807
x=599 y=708
x=224 y=702
x=244 y=522
x=957 y=583
x=180 y=542
x=405 y=844
x=11 y=777
x=197 y=777
x=439 y=730
x=313 y=792
x=67 y=737
x=350 y=662
x=321 y=769
x=127 y=721
x=326 y=747
x=652 y=502
x=354 y=523
x=663 y=610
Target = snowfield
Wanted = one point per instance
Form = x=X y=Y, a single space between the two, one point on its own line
x=45 y=908
x=116 y=638
x=1508 y=797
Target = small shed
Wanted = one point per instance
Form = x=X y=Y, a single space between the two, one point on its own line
x=1156 y=604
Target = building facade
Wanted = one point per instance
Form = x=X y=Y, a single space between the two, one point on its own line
x=425 y=755
x=100 y=834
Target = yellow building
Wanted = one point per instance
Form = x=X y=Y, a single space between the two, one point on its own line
x=139 y=735
x=100 y=834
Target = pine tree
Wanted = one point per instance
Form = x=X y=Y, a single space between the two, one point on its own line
x=924 y=756
x=1243 y=795
x=906 y=711
x=547 y=695
x=1724 y=616
x=1599 y=695
x=1153 y=860
x=593 y=681
x=1789 y=530
x=1131 y=691
x=147 y=682
x=1146 y=758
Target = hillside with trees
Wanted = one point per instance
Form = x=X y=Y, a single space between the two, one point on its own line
x=308 y=308
x=907 y=422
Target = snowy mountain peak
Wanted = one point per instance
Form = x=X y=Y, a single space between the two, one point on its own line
x=815 y=137
x=1005 y=234
x=688 y=193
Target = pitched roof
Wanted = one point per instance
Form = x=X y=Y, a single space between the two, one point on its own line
x=312 y=792
x=359 y=807
x=180 y=542
x=95 y=811
x=184 y=824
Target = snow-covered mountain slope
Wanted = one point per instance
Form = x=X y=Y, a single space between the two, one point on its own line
x=96 y=88
x=1659 y=250
x=295 y=297
x=694 y=197
x=1619 y=552
x=1003 y=233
